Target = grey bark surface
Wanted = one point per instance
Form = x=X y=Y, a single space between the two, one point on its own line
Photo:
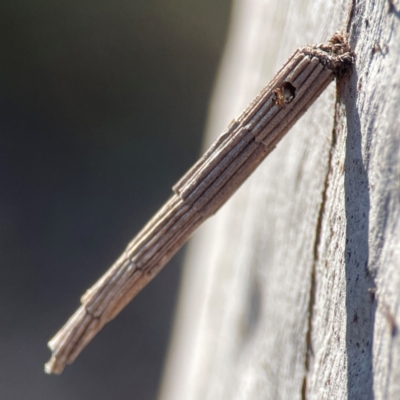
x=292 y=290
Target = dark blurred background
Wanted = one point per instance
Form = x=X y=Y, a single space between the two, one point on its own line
x=102 y=107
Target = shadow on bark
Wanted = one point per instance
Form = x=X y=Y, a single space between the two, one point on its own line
x=360 y=285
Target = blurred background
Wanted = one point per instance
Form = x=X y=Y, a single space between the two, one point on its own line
x=102 y=108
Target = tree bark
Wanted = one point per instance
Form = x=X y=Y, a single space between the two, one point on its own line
x=292 y=290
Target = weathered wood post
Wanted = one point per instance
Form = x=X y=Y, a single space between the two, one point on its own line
x=292 y=290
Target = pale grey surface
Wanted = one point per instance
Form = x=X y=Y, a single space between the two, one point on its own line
x=292 y=290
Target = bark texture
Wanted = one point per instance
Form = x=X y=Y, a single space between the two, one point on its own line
x=292 y=291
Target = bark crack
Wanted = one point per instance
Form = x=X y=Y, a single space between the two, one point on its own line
x=318 y=230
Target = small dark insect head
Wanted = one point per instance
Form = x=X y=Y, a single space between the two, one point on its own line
x=284 y=94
